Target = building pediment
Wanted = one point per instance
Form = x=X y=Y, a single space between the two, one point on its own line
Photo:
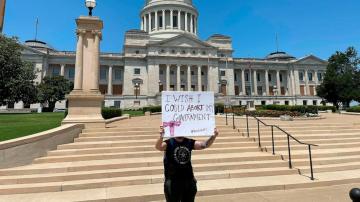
x=184 y=41
x=30 y=51
x=311 y=60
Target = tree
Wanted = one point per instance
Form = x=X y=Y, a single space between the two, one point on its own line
x=16 y=76
x=340 y=82
x=53 y=89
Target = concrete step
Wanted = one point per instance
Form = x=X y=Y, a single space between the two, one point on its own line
x=62 y=167
x=153 y=192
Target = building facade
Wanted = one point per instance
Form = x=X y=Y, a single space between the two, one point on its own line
x=166 y=54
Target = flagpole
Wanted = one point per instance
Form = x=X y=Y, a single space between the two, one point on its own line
x=2 y=14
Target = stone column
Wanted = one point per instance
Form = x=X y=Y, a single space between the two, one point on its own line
x=255 y=83
x=278 y=83
x=186 y=21
x=62 y=69
x=85 y=101
x=288 y=83
x=306 y=76
x=110 y=83
x=150 y=24
x=293 y=87
x=209 y=80
x=267 y=86
x=191 y=23
x=243 y=84
x=195 y=26
x=145 y=23
x=316 y=81
x=163 y=19
x=156 y=21
x=178 y=78
x=168 y=77
x=189 y=77
x=79 y=61
x=142 y=23
x=199 y=79
x=96 y=62
x=179 y=19
x=172 y=19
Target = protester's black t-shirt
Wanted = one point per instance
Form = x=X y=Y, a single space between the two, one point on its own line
x=177 y=159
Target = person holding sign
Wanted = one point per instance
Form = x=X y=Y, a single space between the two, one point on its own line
x=180 y=183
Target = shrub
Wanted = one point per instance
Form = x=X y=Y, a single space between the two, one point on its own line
x=354 y=109
x=109 y=113
x=271 y=113
x=152 y=109
x=325 y=108
x=300 y=109
x=219 y=108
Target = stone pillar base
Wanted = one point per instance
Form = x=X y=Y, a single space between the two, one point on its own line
x=85 y=108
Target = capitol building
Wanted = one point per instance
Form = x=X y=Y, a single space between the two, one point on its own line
x=166 y=54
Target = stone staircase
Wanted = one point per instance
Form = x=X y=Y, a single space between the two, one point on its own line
x=120 y=163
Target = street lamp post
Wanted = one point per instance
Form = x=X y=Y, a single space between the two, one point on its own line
x=90 y=4
x=137 y=87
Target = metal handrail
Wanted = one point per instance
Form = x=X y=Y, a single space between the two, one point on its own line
x=288 y=141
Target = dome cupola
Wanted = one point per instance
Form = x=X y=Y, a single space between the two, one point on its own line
x=167 y=18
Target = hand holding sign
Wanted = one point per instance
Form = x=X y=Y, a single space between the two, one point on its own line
x=188 y=114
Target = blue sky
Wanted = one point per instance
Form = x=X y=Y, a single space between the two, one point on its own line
x=318 y=27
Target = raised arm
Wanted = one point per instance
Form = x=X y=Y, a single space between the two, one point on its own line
x=200 y=145
x=160 y=144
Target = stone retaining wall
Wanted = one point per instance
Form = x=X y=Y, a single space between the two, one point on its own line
x=23 y=151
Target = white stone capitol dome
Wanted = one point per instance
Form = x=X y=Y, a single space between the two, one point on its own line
x=164 y=1
x=167 y=18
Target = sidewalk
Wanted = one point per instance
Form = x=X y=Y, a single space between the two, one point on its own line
x=324 y=194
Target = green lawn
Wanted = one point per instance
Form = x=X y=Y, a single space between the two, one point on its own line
x=19 y=125
x=133 y=113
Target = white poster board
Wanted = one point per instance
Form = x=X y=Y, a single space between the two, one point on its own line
x=188 y=114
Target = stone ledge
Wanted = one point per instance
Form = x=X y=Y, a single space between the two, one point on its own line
x=24 y=150
x=124 y=117
x=350 y=113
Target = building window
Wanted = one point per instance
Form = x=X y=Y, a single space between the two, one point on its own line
x=161 y=72
x=137 y=71
x=56 y=71
x=182 y=72
x=310 y=76
x=117 y=104
x=222 y=73
x=270 y=78
x=175 y=21
x=301 y=76
x=202 y=73
x=258 y=77
x=235 y=77
x=247 y=77
x=117 y=74
x=173 y=51
x=192 y=73
x=305 y=102
x=102 y=74
x=71 y=73
x=286 y=102
x=320 y=76
x=260 y=90
x=160 y=21
x=137 y=52
x=194 y=52
x=263 y=103
x=172 y=72
x=314 y=102
x=222 y=55
x=281 y=78
x=162 y=51
x=183 y=52
x=204 y=52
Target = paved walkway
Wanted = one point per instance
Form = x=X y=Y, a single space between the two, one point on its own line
x=323 y=194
